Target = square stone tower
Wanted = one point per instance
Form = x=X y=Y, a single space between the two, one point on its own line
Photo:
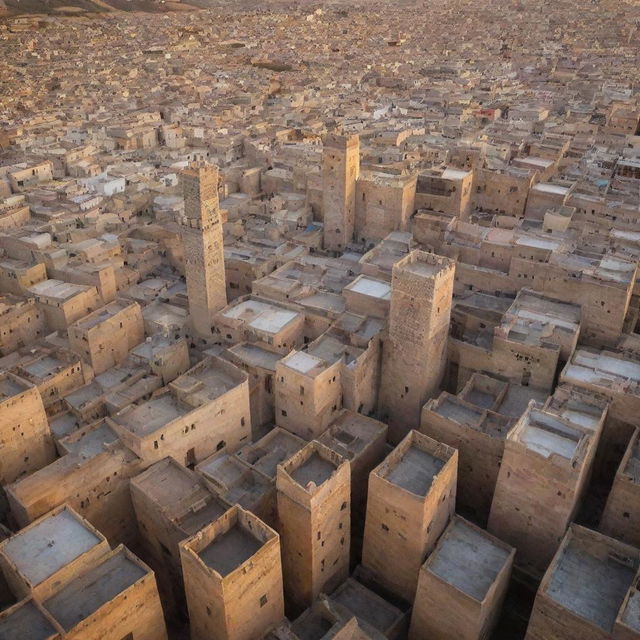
x=415 y=353
x=313 y=492
x=233 y=578
x=462 y=585
x=545 y=469
x=412 y=497
x=340 y=170
x=201 y=232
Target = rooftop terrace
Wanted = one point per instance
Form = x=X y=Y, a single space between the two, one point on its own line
x=230 y=550
x=590 y=577
x=26 y=622
x=468 y=558
x=95 y=588
x=45 y=547
x=272 y=449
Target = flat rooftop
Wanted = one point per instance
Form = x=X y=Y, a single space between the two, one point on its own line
x=366 y=606
x=371 y=287
x=261 y=315
x=454 y=410
x=228 y=551
x=630 y=615
x=181 y=495
x=208 y=380
x=422 y=268
x=255 y=356
x=10 y=387
x=151 y=415
x=351 y=432
x=415 y=471
x=314 y=469
x=44 y=548
x=267 y=453
x=331 y=348
x=548 y=436
x=87 y=593
x=314 y=625
x=602 y=369
x=93 y=442
x=589 y=585
x=26 y=622
x=101 y=315
x=235 y=482
x=468 y=559
x=56 y=289
x=43 y=367
x=304 y=363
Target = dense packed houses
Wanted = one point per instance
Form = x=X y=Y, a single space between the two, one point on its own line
x=320 y=320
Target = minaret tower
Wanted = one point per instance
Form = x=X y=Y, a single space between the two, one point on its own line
x=202 y=238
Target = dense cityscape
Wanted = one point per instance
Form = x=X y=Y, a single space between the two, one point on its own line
x=319 y=320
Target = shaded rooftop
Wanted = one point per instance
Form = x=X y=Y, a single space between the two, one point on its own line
x=591 y=580
x=44 y=548
x=93 y=589
x=25 y=622
x=468 y=559
x=414 y=471
x=228 y=551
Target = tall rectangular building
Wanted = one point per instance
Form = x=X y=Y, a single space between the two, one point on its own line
x=313 y=492
x=340 y=170
x=462 y=585
x=621 y=517
x=202 y=237
x=27 y=444
x=233 y=578
x=415 y=353
x=543 y=476
x=412 y=497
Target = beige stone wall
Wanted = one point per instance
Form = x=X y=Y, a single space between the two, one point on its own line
x=360 y=381
x=442 y=612
x=21 y=326
x=415 y=351
x=517 y=362
x=604 y=304
x=244 y=604
x=382 y=206
x=307 y=405
x=98 y=489
x=18 y=280
x=102 y=277
x=108 y=342
x=340 y=170
x=479 y=460
x=501 y=192
x=450 y=196
x=60 y=315
x=315 y=526
x=621 y=517
x=27 y=444
x=536 y=498
x=221 y=425
x=136 y=611
x=203 y=247
x=401 y=527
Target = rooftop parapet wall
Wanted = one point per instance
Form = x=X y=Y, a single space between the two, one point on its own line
x=315 y=464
